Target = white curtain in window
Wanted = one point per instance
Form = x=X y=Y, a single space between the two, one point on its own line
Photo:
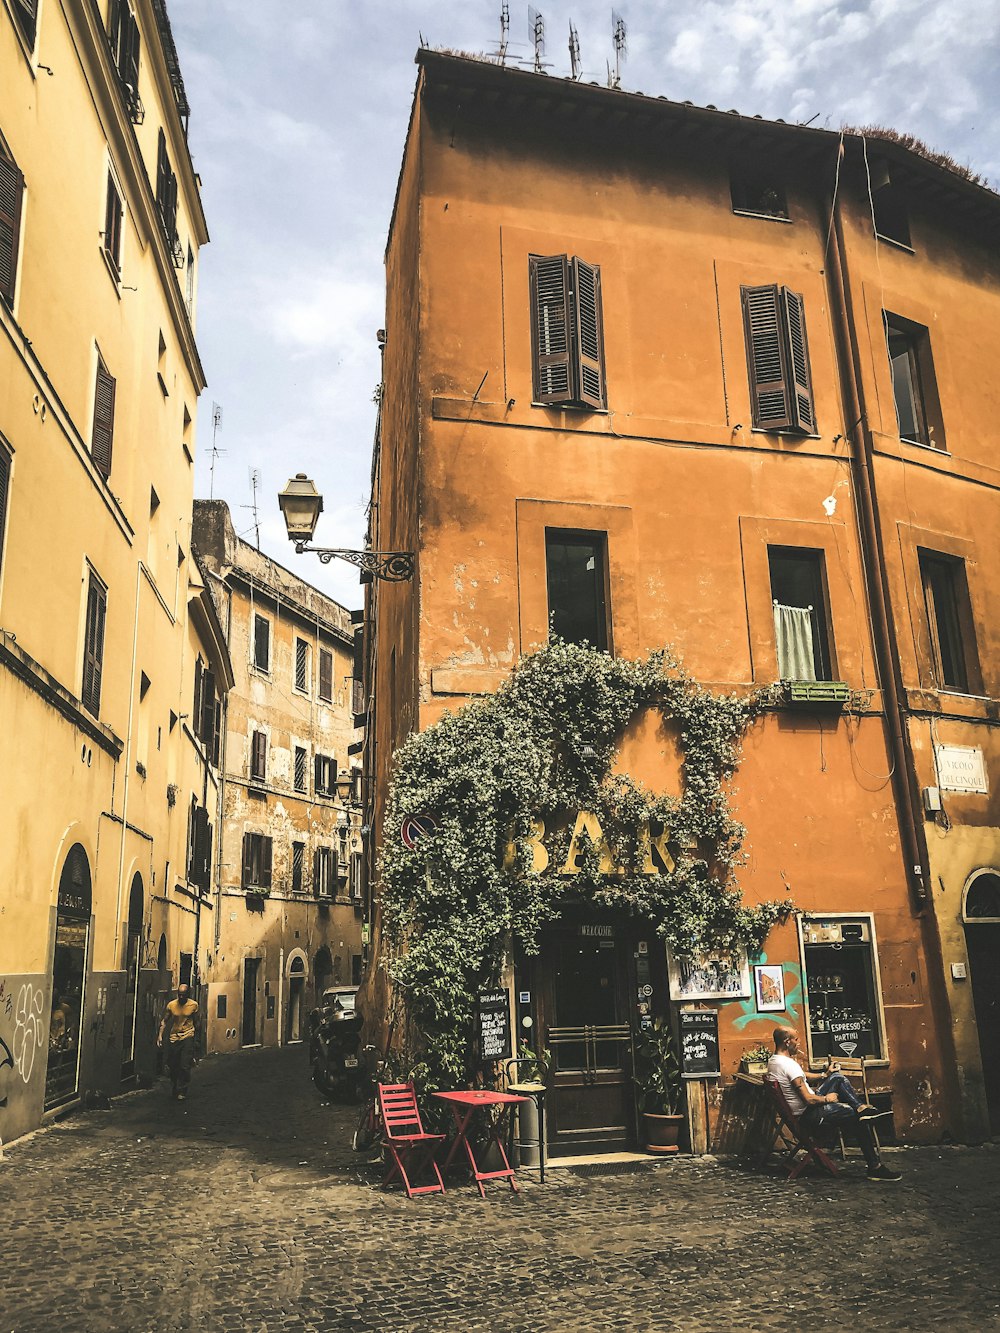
x=793 y=633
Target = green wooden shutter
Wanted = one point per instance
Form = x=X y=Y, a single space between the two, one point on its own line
x=763 y=324
x=11 y=191
x=589 y=339
x=93 y=647
x=104 y=420
x=551 y=328
x=803 y=409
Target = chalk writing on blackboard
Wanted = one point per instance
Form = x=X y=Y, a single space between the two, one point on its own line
x=699 y=1030
x=494 y=1026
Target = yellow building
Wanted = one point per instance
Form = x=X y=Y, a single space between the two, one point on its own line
x=288 y=911
x=112 y=659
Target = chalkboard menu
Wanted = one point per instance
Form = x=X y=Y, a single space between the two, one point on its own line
x=494 y=1027
x=699 y=1043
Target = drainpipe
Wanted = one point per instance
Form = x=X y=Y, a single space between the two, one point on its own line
x=128 y=761
x=887 y=655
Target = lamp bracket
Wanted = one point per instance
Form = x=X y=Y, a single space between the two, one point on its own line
x=391 y=566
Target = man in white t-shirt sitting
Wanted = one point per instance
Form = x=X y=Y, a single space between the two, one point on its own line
x=834 y=1103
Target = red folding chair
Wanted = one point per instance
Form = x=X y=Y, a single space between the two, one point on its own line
x=793 y=1138
x=405 y=1140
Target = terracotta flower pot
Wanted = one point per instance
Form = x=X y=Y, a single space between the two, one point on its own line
x=662 y=1132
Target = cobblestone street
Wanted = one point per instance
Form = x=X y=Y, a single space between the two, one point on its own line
x=244 y=1208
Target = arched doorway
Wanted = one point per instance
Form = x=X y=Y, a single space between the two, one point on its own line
x=69 y=976
x=296 y=990
x=133 y=952
x=981 y=914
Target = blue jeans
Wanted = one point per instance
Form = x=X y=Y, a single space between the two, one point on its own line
x=841 y=1115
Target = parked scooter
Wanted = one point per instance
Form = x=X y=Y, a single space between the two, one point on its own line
x=333 y=1052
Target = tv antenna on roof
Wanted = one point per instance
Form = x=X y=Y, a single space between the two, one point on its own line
x=618 y=36
x=574 y=51
x=504 y=32
x=537 y=25
x=216 y=451
x=254 y=483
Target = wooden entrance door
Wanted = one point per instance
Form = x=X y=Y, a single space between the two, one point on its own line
x=250 y=968
x=983 y=939
x=585 y=1021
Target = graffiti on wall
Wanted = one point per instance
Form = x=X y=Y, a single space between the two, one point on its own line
x=793 y=1000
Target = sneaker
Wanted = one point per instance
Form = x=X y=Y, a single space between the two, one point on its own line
x=182 y=1097
x=866 y=1112
x=883 y=1172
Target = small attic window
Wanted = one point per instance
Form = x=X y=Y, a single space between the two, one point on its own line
x=892 y=221
x=757 y=192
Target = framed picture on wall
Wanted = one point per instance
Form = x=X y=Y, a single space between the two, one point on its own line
x=769 y=988
x=709 y=976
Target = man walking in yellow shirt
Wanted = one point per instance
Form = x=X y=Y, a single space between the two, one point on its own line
x=179 y=1027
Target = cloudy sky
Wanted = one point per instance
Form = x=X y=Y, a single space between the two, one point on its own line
x=298 y=118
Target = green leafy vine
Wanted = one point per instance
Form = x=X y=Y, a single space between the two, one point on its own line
x=542 y=748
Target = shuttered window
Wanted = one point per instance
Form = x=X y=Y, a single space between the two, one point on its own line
x=324 y=870
x=4 y=495
x=326 y=675
x=166 y=189
x=298 y=865
x=325 y=774
x=26 y=13
x=300 y=768
x=257 y=848
x=93 y=644
x=113 y=225
x=258 y=756
x=778 y=359
x=104 y=419
x=261 y=643
x=11 y=192
x=301 y=664
x=567 y=331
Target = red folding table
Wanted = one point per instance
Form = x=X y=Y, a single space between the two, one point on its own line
x=463 y=1106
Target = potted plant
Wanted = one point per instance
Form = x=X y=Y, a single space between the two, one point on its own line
x=755 y=1059
x=658 y=1081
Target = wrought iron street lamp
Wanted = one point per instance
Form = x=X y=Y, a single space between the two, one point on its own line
x=301 y=505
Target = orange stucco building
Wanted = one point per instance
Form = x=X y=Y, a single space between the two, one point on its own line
x=653 y=373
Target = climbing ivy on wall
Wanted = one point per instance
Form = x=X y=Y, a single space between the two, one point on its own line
x=542 y=748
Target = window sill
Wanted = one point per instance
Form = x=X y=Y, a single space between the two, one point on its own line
x=114 y=272
x=573 y=407
x=762 y=217
x=919 y=444
x=897 y=245
x=785 y=433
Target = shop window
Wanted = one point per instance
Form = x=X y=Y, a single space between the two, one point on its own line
x=93 y=644
x=577 y=576
x=257 y=849
x=799 y=603
x=298 y=865
x=774 y=326
x=299 y=775
x=756 y=190
x=567 y=332
x=326 y=675
x=914 y=387
x=261 y=643
x=843 y=1006
x=954 y=659
x=11 y=193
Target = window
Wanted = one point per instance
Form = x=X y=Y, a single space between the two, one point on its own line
x=576 y=574
x=324 y=872
x=166 y=191
x=914 y=386
x=189 y=284
x=11 y=192
x=301 y=664
x=300 y=768
x=113 y=226
x=4 y=494
x=258 y=756
x=357 y=876
x=326 y=675
x=756 y=190
x=261 y=643
x=93 y=644
x=889 y=209
x=799 y=601
x=325 y=767
x=567 y=332
x=781 y=396
x=26 y=15
x=123 y=37
x=256 y=861
x=298 y=865
x=103 y=436
x=200 y=848
x=842 y=999
x=206 y=715
x=954 y=659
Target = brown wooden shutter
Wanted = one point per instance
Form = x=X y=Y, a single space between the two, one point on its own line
x=206 y=729
x=104 y=420
x=803 y=409
x=11 y=191
x=113 y=224
x=4 y=495
x=26 y=12
x=93 y=648
x=265 y=863
x=217 y=735
x=199 y=671
x=766 y=358
x=258 y=759
x=129 y=57
x=586 y=280
x=325 y=674
x=359 y=653
x=551 y=328
x=318 y=772
x=202 y=858
x=246 y=877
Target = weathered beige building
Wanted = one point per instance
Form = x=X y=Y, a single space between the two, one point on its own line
x=107 y=760
x=288 y=909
